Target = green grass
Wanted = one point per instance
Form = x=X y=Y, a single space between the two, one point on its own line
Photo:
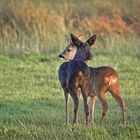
x=32 y=103
x=31 y=100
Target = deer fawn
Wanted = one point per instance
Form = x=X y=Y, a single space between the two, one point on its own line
x=103 y=79
x=75 y=73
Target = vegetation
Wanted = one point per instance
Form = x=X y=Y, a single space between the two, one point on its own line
x=31 y=36
x=36 y=27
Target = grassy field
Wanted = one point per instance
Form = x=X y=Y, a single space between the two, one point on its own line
x=32 y=104
x=32 y=33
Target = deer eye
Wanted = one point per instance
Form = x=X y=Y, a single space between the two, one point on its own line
x=68 y=50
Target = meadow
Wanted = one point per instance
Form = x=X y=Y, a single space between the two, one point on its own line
x=32 y=104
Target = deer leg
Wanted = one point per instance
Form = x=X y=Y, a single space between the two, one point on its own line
x=93 y=99
x=76 y=103
x=78 y=92
x=67 y=107
x=85 y=98
x=117 y=95
x=101 y=96
x=86 y=108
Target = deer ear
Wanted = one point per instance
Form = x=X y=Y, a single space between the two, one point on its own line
x=80 y=37
x=75 y=40
x=68 y=38
x=91 y=40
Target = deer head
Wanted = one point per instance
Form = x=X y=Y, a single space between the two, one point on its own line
x=76 y=48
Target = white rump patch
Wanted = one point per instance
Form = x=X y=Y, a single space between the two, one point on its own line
x=112 y=81
x=80 y=73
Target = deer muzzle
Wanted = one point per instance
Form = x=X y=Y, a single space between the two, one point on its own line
x=61 y=56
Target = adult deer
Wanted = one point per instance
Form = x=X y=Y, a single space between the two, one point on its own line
x=75 y=73
x=103 y=79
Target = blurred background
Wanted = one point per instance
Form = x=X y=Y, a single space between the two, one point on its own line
x=39 y=26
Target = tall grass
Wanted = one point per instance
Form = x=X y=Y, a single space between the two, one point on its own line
x=34 y=27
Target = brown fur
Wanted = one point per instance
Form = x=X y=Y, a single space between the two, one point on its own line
x=105 y=79
x=102 y=79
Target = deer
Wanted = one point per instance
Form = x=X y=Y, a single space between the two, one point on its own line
x=102 y=79
x=74 y=74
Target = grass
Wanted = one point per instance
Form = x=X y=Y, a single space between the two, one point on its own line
x=32 y=34
x=32 y=104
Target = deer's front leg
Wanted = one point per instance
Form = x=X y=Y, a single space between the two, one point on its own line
x=85 y=98
x=75 y=98
x=86 y=109
x=93 y=99
x=67 y=107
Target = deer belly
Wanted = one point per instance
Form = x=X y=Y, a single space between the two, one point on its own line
x=92 y=88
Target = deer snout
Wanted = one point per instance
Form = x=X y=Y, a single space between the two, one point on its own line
x=61 y=56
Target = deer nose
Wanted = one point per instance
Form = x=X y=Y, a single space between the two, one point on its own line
x=61 y=56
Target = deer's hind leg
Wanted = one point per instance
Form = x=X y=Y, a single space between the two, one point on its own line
x=115 y=92
x=100 y=92
x=104 y=106
x=93 y=99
